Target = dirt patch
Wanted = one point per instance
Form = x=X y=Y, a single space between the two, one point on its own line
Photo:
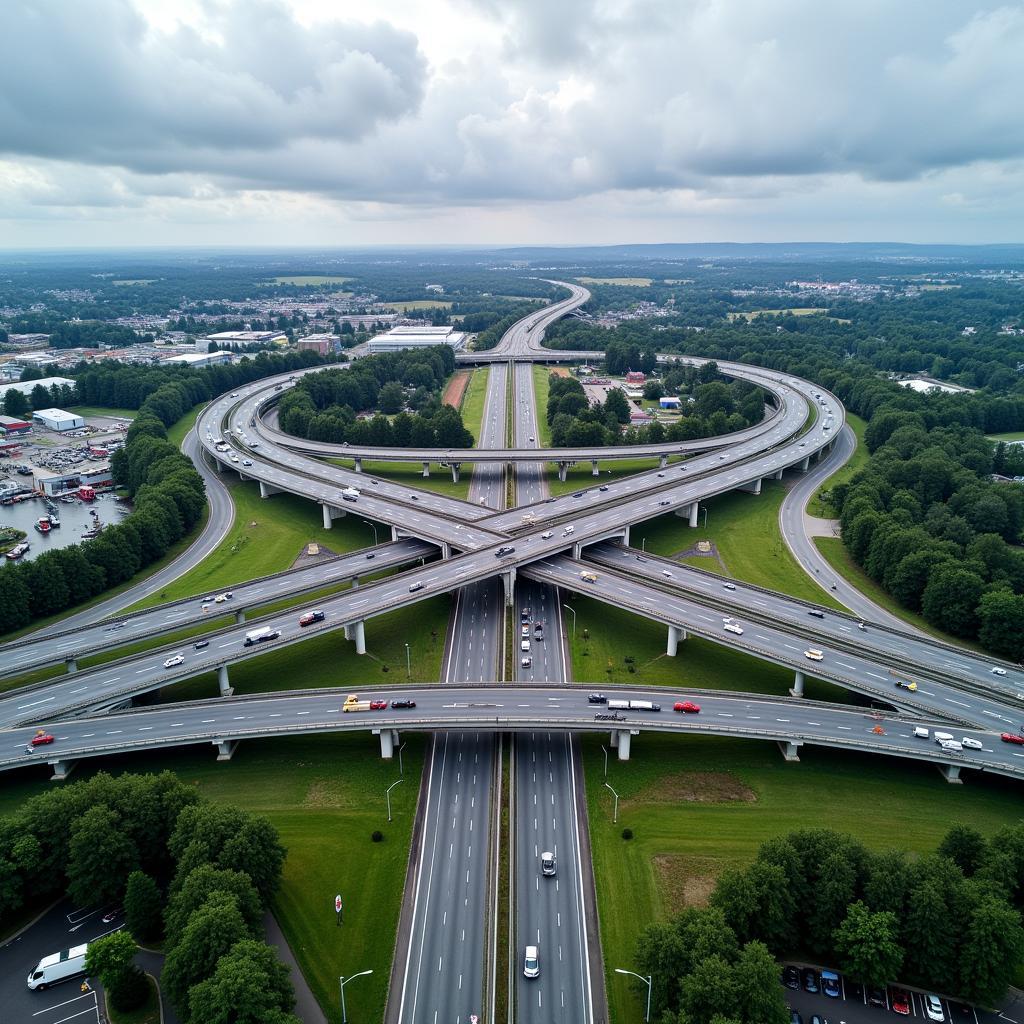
x=456 y=388
x=684 y=881
x=305 y=558
x=560 y=371
x=703 y=549
x=697 y=788
x=325 y=793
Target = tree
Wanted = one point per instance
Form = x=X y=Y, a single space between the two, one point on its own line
x=16 y=404
x=965 y=846
x=212 y=929
x=709 y=989
x=867 y=944
x=111 y=959
x=951 y=599
x=391 y=398
x=615 y=403
x=143 y=907
x=198 y=886
x=1001 y=623
x=249 y=986
x=759 y=997
x=992 y=949
x=100 y=857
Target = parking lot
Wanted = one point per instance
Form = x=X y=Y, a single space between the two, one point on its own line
x=852 y=1006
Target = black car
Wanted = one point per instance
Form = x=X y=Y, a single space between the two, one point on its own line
x=854 y=991
x=200 y=644
x=502 y=551
x=597 y=698
x=816 y=613
x=603 y=487
x=791 y=977
x=876 y=997
x=524 y=615
x=403 y=702
x=578 y=494
x=809 y=979
x=370 y=554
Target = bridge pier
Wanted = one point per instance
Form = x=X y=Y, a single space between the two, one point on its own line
x=624 y=741
x=240 y=616
x=61 y=769
x=456 y=466
x=694 y=509
x=446 y=549
x=509 y=579
x=594 y=471
x=225 y=749
x=563 y=468
x=359 y=635
x=675 y=634
x=226 y=689
x=805 y=463
x=951 y=773
x=347 y=630
x=662 y=461
x=754 y=487
x=790 y=749
x=217 y=467
x=266 y=490
x=388 y=742
x=426 y=469
x=797 y=689
x=359 y=464
x=71 y=664
x=778 y=474
x=331 y=513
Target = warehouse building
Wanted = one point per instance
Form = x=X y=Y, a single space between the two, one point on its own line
x=11 y=427
x=58 y=419
x=399 y=338
x=198 y=360
x=26 y=386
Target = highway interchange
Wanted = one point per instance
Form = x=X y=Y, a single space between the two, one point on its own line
x=441 y=545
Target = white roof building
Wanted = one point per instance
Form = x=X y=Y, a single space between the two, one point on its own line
x=26 y=386
x=399 y=338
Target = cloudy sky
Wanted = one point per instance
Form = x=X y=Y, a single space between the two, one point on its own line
x=330 y=122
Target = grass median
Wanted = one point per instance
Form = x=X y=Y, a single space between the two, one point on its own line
x=819 y=504
x=325 y=795
x=698 y=805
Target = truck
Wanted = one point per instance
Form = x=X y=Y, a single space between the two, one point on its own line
x=353 y=703
x=258 y=636
x=350 y=494
x=632 y=705
x=68 y=963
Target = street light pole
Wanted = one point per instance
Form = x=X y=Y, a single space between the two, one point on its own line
x=343 y=982
x=401 y=769
x=408 y=664
x=647 y=982
x=387 y=795
x=372 y=527
x=573 y=610
x=615 y=813
x=605 y=749
x=705 y=517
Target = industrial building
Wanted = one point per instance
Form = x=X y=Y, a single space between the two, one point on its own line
x=58 y=419
x=26 y=386
x=323 y=344
x=231 y=339
x=399 y=338
x=11 y=427
x=198 y=360
x=99 y=478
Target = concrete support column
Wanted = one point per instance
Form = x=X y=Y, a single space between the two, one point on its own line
x=355 y=582
x=360 y=636
x=266 y=490
x=625 y=537
x=754 y=487
x=778 y=474
x=225 y=749
x=951 y=773
x=563 y=468
x=226 y=689
x=662 y=461
x=790 y=749
x=347 y=630
x=387 y=743
x=577 y=550
x=61 y=769
x=510 y=586
x=594 y=471
x=623 y=744
x=394 y=533
x=327 y=516
x=694 y=509
x=797 y=689
x=805 y=463
x=613 y=740
x=240 y=616
x=359 y=464
x=426 y=469
x=446 y=549
x=72 y=665
x=675 y=634
x=217 y=467
x=456 y=466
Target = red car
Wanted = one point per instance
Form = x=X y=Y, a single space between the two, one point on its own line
x=899 y=1001
x=686 y=707
x=310 y=617
x=1012 y=737
x=378 y=705
x=41 y=739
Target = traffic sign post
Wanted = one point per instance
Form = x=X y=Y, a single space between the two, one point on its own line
x=339 y=909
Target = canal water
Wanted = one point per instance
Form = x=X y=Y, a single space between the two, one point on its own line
x=74 y=521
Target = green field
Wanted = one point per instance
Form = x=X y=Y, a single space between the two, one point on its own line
x=818 y=505
x=635 y=282
x=473 y=399
x=699 y=805
x=96 y=410
x=541 y=379
x=311 y=279
x=745 y=530
x=267 y=536
x=1014 y=435
x=135 y=280
x=412 y=304
x=325 y=794
x=802 y=311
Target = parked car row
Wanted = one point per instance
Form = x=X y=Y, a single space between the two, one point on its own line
x=832 y=985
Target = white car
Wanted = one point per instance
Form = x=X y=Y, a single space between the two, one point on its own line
x=971 y=744
x=174 y=659
x=933 y=1007
x=546 y=535
x=526 y=662
x=733 y=627
x=531 y=963
x=665 y=572
x=996 y=672
x=813 y=654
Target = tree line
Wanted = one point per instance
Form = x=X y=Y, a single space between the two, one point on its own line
x=949 y=922
x=333 y=406
x=196 y=875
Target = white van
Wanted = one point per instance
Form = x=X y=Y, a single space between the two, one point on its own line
x=68 y=963
x=942 y=737
x=524 y=645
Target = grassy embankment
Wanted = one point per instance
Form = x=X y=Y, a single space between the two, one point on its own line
x=699 y=805
x=325 y=795
x=819 y=505
x=97 y=410
x=1014 y=435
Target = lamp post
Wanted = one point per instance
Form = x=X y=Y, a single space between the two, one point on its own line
x=647 y=982
x=705 y=517
x=373 y=527
x=605 y=749
x=573 y=610
x=643 y=544
x=343 y=982
x=408 y=663
x=387 y=795
x=615 y=813
x=401 y=769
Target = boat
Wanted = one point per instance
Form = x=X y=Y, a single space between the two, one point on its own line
x=67 y=499
x=43 y=525
x=18 y=550
x=54 y=520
